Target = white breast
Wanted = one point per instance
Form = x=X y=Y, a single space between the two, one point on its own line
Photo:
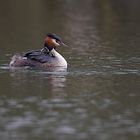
x=59 y=60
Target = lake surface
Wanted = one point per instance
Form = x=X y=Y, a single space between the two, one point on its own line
x=97 y=97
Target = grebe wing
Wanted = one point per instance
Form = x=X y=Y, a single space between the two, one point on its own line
x=37 y=55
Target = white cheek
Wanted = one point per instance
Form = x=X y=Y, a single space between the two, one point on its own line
x=56 y=44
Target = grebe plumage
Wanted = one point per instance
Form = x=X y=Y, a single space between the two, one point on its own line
x=43 y=58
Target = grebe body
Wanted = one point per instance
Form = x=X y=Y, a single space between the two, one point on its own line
x=44 y=58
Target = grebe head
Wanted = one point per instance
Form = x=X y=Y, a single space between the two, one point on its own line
x=53 y=41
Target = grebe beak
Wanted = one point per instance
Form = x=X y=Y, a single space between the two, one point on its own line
x=63 y=44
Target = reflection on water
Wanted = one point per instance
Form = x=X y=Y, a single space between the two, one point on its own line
x=53 y=78
x=97 y=97
x=36 y=89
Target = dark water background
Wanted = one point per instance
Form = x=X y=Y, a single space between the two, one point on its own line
x=98 y=97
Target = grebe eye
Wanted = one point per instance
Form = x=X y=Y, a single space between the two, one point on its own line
x=58 y=41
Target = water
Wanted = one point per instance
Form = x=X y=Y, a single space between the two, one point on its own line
x=97 y=97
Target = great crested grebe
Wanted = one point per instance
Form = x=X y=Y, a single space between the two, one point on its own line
x=44 y=58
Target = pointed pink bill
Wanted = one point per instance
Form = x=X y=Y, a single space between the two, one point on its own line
x=63 y=44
